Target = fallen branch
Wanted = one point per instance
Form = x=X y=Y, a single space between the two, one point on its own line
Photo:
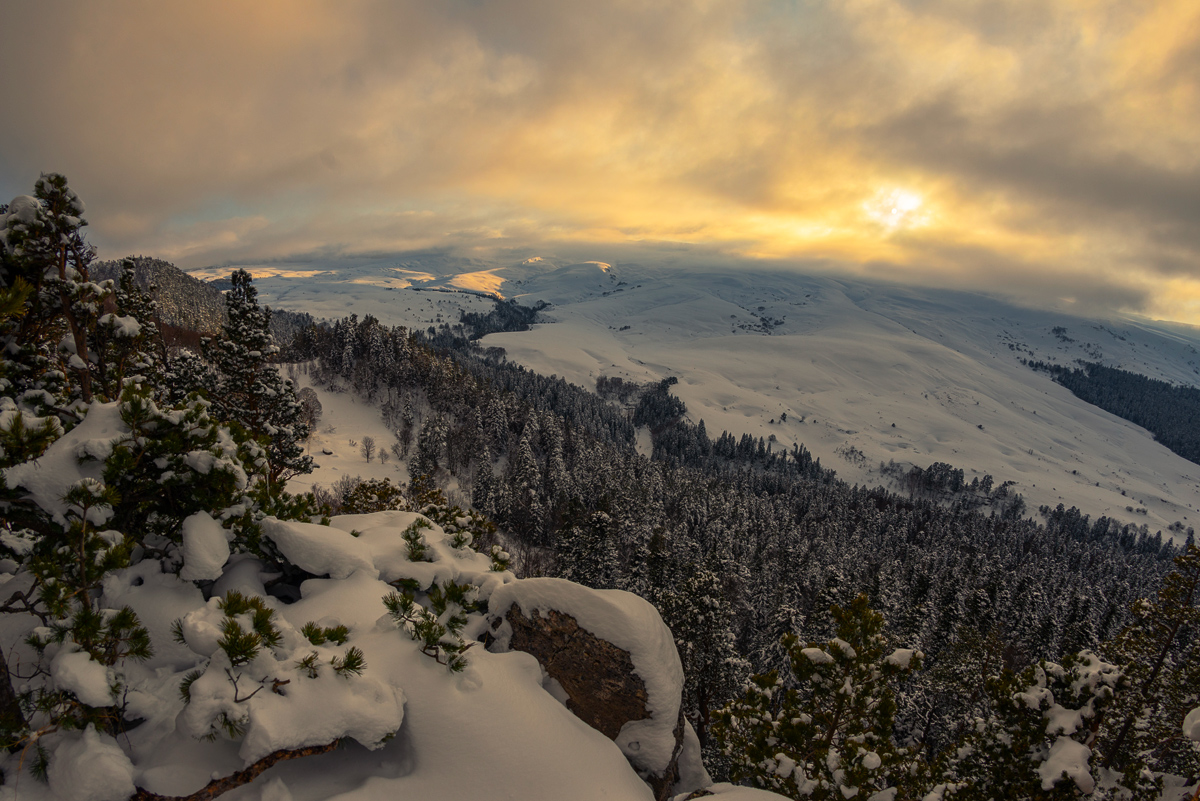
x=234 y=780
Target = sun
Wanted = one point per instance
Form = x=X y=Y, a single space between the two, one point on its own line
x=895 y=209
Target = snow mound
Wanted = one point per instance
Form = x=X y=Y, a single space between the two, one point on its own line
x=77 y=672
x=205 y=548
x=1191 y=724
x=91 y=767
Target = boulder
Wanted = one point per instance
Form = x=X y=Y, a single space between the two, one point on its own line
x=615 y=661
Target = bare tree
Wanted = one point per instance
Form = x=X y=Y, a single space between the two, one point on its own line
x=368 y=448
x=384 y=456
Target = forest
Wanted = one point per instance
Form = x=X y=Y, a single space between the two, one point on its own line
x=1167 y=411
x=758 y=543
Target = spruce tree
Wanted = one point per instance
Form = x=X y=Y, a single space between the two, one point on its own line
x=827 y=733
x=249 y=391
x=700 y=618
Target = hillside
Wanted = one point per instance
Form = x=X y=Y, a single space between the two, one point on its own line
x=867 y=373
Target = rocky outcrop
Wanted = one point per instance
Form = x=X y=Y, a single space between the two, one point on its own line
x=631 y=694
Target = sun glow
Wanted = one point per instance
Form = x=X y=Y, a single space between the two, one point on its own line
x=895 y=209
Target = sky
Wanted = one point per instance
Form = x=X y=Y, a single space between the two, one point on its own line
x=1045 y=149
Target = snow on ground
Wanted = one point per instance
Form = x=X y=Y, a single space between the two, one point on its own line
x=866 y=373
x=346 y=419
x=888 y=372
x=394 y=293
x=493 y=731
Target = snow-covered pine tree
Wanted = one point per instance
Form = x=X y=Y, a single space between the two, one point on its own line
x=126 y=342
x=700 y=618
x=526 y=512
x=830 y=735
x=1160 y=654
x=47 y=357
x=587 y=551
x=431 y=443
x=1037 y=742
x=249 y=391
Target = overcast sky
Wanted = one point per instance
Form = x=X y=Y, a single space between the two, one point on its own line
x=1048 y=148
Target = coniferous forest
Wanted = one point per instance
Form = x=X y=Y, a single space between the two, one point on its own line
x=741 y=545
x=832 y=636
x=1167 y=411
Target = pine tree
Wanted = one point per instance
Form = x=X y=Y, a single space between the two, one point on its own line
x=484 y=487
x=431 y=443
x=526 y=512
x=126 y=342
x=1037 y=742
x=42 y=245
x=700 y=619
x=1160 y=654
x=248 y=390
x=587 y=551
x=829 y=736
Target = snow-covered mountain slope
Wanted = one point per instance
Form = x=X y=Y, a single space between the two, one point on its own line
x=866 y=373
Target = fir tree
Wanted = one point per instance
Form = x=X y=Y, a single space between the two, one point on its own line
x=830 y=736
x=248 y=390
x=700 y=619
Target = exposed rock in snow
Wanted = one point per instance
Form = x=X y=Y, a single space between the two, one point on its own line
x=614 y=657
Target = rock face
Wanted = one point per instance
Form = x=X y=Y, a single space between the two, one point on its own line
x=597 y=676
x=604 y=685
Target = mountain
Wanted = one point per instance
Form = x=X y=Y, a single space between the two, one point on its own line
x=867 y=373
x=183 y=301
x=186 y=302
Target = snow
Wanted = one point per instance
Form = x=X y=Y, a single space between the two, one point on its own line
x=47 y=479
x=319 y=549
x=692 y=773
x=205 y=548
x=816 y=656
x=344 y=418
x=76 y=672
x=901 y=657
x=521 y=740
x=1191 y=724
x=631 y=624
x=849 y=359
x=91 y=767
x=122 y=326
x=305 y=712
x=1070 y=758
x=494 y=731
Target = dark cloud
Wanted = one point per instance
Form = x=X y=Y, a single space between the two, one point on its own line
x=1046 y=157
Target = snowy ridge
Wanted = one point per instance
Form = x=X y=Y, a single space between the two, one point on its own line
x=866 y=372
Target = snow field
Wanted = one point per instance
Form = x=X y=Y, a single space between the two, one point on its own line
x=844 y=359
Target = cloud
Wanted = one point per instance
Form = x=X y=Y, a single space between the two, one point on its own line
x=1057 y=134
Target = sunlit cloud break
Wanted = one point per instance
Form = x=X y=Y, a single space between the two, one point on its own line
x=1047 y=149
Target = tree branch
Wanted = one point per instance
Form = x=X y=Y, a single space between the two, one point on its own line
x=234 y=780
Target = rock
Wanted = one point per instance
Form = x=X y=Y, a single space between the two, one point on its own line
x=630 y=694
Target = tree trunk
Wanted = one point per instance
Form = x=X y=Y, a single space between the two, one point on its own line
x=11 y=718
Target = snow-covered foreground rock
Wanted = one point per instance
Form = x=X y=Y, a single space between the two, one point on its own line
x=410 y=728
